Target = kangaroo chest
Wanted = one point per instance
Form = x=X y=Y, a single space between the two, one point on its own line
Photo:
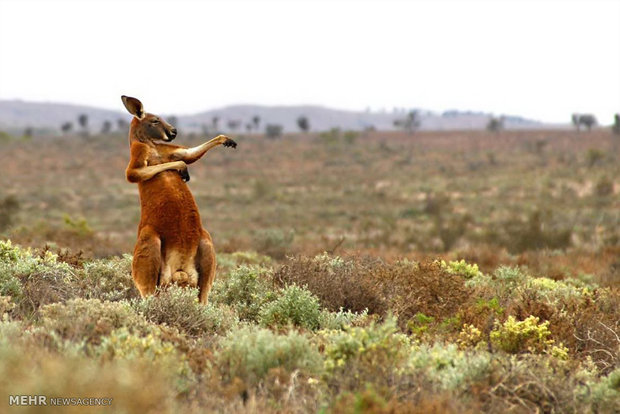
x=154 y=157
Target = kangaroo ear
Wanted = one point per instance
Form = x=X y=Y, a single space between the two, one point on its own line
x=134 y=106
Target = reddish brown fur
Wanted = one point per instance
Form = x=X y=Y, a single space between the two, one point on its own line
x=172 y=245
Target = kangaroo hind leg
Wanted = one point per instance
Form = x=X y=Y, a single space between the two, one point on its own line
x=205 y=265
x=146 y=263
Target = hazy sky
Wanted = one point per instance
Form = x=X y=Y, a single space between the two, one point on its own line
x=540 y=59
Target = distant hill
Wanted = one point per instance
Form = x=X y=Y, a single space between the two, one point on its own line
x=49 y=116
x=16 y=115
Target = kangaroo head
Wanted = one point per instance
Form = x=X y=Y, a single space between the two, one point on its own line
x=146 y=126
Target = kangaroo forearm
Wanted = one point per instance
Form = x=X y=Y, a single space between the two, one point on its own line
x=135 y=175
x=194 y=154
x=190 y=155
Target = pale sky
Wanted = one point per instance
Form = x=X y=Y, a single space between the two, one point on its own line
x=538 y=59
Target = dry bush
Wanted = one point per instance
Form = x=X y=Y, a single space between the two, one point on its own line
x=425 y=288
x=405 y=288
x=371 y=402
x=73 y=258
x=487 y=257
x=533 y=383
x=338 y=283
x=42 y=288
x=591 y=328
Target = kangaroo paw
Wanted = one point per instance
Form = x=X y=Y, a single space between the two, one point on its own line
x=230 y=143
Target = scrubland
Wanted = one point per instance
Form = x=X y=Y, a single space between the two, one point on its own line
x=383 y=272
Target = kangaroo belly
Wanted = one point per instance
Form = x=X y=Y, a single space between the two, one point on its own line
x=169 y=208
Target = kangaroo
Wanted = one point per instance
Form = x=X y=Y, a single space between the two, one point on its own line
x=172 y=245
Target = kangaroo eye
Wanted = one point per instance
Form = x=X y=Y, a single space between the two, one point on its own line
x=155 y=121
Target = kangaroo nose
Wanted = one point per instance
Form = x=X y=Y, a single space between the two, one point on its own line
x=173 y=132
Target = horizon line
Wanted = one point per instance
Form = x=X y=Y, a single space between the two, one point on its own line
x=368 y=109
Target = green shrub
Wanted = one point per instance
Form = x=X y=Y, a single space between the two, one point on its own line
x=341 y=319
x=122 y=344
x=109 y=279
x=10 y=257
x=134 y=386
x=294 y=306
x=250 y=353
x=528 y=335
x=470 y=336
x=34 y=280
x=447 y=366
x=602 y=395
x=371 y=347
x=9 y=284
x=509 y=275
x=245 y=289
x=462 y=268
x=88 y=320
x=179 y=308
x=555 y=291
x=505 y=280
x=419 y=323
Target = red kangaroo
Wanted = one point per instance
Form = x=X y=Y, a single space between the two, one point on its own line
x=172 y=245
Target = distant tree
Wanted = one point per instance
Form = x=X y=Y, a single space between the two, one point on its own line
x=248 y=127
x=66 y=127
x=495 y=124
x=410 y=123
x=233 y=124
x=83 y=122
x=28 y=131
x=303 y=124
x=588 y=120
x=206 y=129
x=122 y=125
x=106 y=127
x=214 y=123
x=616 y=126
x=273 y=131
x=256 y=122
